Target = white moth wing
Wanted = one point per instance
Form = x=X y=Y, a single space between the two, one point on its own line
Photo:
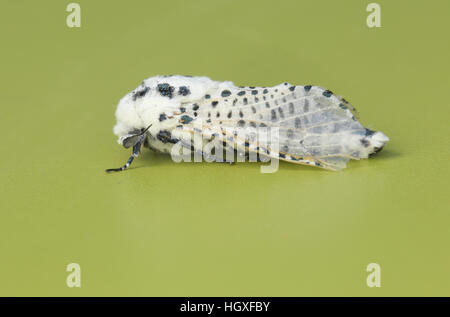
x=313 y=122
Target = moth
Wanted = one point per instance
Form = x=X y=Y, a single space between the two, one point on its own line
x=315 y=126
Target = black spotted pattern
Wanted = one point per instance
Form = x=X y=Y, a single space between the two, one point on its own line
x=290 y=134
x=184 y=91
x=185 y=119
x=327 y=93
x=273 y=115
x=225 y=93
x=166 y=137
x=365 y=142
x=162 y=117
x=141 y=93
x=291 y=108
x=166 y=90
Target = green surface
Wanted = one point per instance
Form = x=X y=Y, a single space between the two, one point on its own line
x=163 y=228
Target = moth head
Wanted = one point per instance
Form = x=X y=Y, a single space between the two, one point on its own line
x=133 y=137
x=129 y=140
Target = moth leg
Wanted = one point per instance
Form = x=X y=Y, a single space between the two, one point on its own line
x=135 y=153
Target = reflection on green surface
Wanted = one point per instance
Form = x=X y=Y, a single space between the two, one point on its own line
x=163 y=228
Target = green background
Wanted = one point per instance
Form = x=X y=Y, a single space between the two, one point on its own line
x=202 y=229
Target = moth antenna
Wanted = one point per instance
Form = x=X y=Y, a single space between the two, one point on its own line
x=136 y=150
x=146 y=129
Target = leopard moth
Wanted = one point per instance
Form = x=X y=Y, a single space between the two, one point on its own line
x=315 y=126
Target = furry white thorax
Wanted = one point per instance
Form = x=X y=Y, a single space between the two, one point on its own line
x=132 y=114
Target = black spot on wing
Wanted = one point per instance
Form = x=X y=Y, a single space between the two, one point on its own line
x=342 y=106
x=273 y=115
x=327 y=93
x=365 y=142
x=369 y=132
x=280 y=111
x=225 y=93
x=290 y=134
x=306 y=106
x=291 y=108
